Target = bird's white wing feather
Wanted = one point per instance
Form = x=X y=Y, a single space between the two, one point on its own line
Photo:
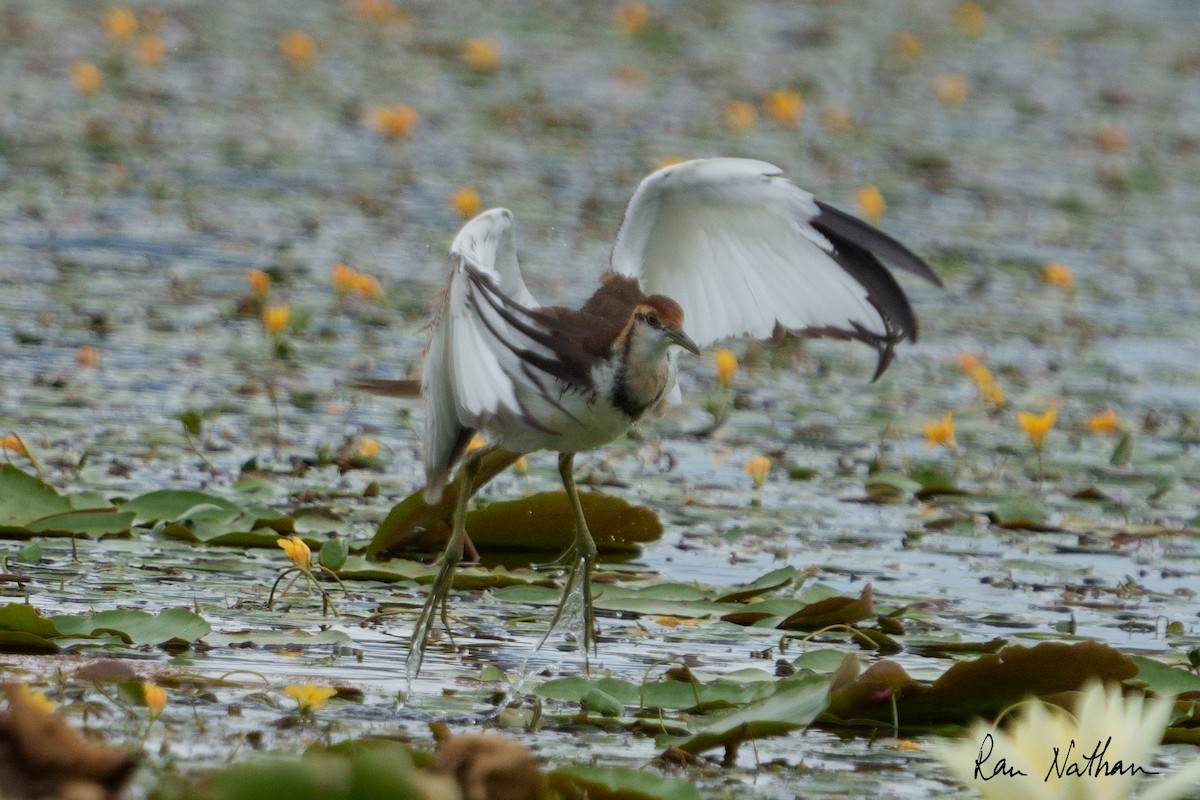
x=488 y=347
x=744 y=251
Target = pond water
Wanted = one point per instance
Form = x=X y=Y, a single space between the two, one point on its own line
x=129 y=217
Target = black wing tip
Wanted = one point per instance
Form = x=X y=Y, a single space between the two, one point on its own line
x=870 y=238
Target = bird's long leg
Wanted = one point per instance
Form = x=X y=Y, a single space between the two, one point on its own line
x=584 y=548
x=439 y=590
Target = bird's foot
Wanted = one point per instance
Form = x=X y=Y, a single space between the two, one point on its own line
x=435 y=606
x=578 y=590
x=562 y=562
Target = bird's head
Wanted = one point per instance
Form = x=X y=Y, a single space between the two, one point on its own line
x=658 y=324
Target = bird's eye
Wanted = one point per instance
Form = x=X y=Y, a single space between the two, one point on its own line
x=652 y=320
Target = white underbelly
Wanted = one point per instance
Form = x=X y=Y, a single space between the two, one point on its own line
x=579 y=422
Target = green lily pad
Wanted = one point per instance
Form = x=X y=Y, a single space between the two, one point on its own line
x=282 y=638
x=173 y=505
x=764 y=584
x=1020 y=512
x=24 y=498
x=791 y=706
x=618 y=783
x=96 y=523
x=1163 y=679
x=138 y=627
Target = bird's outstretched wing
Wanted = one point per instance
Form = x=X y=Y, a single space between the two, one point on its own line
x=744 y=252
x=490 y=348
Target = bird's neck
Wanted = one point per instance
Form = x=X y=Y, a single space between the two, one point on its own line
x=642 y=373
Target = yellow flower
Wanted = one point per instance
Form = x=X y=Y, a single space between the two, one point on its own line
x=35 y=698
x=758 y=468
x=784 y=106
x=631 y=16
x=950 y=88
x=376 y=10
x=87 y=356
x=907 y=46
x=14 y=443
x=155 y=697
x=121 y=24
x=1058 y=274
x=940 y=432
x=476 y=443
x=993 y=393
x=970 y=18
x=150 y=50
x=297 y=550
x=1106 y=423
x=368 y=448
x=343 y=278
x=521 y=466
x=368 y=285
x=260 y=282
x=967 y=362
x=394 y=122
x=872 y=204
x=985 y=383
x=1036 y=426
x=740 y=116
x=481 y=55
x=1018 y=761
x=726 y=367
x=837 y=119
x=87 y=77
x=297 y=47
x=309 y=697
x=275 y=318
x=466 y=201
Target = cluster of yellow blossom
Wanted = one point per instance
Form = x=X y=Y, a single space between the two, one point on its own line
x=727 y=365
x=871 y=203
x=981 y=376
x=466 y=201
x=122 y=26
x=394 y=121
x=940 y=432
x=298 y=48
x=297 y=551
x=759 y=469
x=347 y=279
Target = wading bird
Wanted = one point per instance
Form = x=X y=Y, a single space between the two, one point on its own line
x=708 y=250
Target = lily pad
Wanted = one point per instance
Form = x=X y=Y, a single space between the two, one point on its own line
x=832 y=611
x=24 y=498
x=792 y=705
x=618 y=783
x=138 y=627
x=1020 y=512
x=980 y=688
x=1163 y=679
x=96 y=523
x=173 y=505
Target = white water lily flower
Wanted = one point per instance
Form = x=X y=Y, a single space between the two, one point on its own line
x=1103 y=752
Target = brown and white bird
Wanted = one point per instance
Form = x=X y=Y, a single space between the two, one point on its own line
x=708 y=250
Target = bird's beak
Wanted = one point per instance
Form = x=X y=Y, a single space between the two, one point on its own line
x=677 y=336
